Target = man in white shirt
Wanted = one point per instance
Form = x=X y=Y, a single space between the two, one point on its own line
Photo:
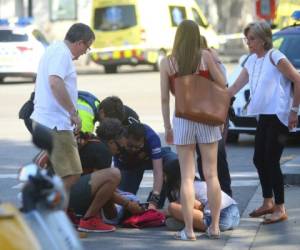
x=56 y=97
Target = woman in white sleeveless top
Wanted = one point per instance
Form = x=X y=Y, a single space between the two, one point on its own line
x=269 y=74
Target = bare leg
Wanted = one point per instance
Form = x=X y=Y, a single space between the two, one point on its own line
x=175 y=209
x=103 y=184
x=268 y=203
x=209 y=163
x=187 y=192
x=69 y=181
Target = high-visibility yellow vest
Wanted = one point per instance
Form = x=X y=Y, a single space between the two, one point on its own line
x=86 y=115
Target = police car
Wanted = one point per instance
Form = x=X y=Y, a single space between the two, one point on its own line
x=287 y=40
x=21 y=47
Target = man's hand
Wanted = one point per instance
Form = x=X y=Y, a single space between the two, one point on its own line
x=75 y=120
x=152 y=206
x=134 y=207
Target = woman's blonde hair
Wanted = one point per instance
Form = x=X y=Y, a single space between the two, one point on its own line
x=186 y=47
x=262 y=30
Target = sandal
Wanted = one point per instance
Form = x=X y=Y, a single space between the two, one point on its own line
x=212 y=236
x=269 y=220
x=259 y=212
x=181 y=235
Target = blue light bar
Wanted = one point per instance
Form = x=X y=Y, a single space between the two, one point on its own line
x=4 y=21
x=296 y=15
x=23 y=21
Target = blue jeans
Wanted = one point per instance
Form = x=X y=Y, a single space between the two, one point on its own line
x=132 y=176
x=229 y=218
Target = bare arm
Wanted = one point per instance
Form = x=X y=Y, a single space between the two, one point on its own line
x=214 y=69
x=288 y=70
x=157 y=180
x=61 y=95
x=157 y=175
x=131 y=206
x=239 y=83
x=217 y=61
x=165 y=99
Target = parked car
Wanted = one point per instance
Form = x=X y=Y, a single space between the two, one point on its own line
x=21 y=47
x=287 y=40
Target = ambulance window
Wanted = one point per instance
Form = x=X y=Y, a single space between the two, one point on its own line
x=198 y=19
x=178 y=14
x=115 y=17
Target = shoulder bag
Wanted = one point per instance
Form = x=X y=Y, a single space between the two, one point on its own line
x=200 y=99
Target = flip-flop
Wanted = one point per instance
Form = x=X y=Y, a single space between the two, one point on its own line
x=181 y=235
x=259 y=212
x=212 y=236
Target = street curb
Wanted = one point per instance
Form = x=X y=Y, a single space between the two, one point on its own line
x=291 y=172
x=244 y=235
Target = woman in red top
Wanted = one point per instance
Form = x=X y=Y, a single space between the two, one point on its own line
x=188 y=58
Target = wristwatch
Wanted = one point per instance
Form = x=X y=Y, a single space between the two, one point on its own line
x=295 y=109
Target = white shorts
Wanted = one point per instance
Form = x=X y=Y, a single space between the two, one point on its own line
x=187 y=132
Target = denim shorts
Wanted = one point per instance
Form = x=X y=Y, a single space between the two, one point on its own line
x=229 y=218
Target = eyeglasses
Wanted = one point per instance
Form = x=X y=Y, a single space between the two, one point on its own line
x=249 y=39
x=87 y=47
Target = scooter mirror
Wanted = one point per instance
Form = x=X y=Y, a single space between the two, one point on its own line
x=26 y=171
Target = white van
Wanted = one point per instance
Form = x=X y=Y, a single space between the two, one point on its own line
x=132 y=32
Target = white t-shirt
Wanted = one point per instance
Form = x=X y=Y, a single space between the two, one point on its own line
x=270 y=90
x=57 y=60
x=201 y=195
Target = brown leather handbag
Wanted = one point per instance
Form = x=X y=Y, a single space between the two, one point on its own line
x=200 y=99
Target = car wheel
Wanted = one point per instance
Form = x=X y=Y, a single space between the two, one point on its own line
x=232 y=137
x=110 y=69
x=2 y=79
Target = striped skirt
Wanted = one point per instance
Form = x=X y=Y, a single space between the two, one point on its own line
x=189 y=132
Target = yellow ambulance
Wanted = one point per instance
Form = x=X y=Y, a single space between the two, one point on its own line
x=132 y=32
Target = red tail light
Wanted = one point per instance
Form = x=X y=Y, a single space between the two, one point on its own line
x=24 y=49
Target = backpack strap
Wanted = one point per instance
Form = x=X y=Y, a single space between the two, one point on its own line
x=271 y=59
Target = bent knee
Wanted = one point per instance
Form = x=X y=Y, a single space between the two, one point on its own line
x=172 y=207
x=210 y=176
x=115 y=175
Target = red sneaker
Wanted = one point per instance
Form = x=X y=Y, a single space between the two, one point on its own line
x=73 y=218
x=94 y=224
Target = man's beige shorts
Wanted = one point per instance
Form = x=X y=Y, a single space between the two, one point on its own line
x=65 y=156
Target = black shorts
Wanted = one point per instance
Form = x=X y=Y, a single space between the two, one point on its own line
x=81 y=195
x=95 y=155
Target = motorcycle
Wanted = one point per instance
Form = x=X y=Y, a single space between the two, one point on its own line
x=43 y=201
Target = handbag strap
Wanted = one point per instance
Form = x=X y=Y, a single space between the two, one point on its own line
x=172 y=66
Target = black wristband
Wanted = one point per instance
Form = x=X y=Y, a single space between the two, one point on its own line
x=154 y=198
